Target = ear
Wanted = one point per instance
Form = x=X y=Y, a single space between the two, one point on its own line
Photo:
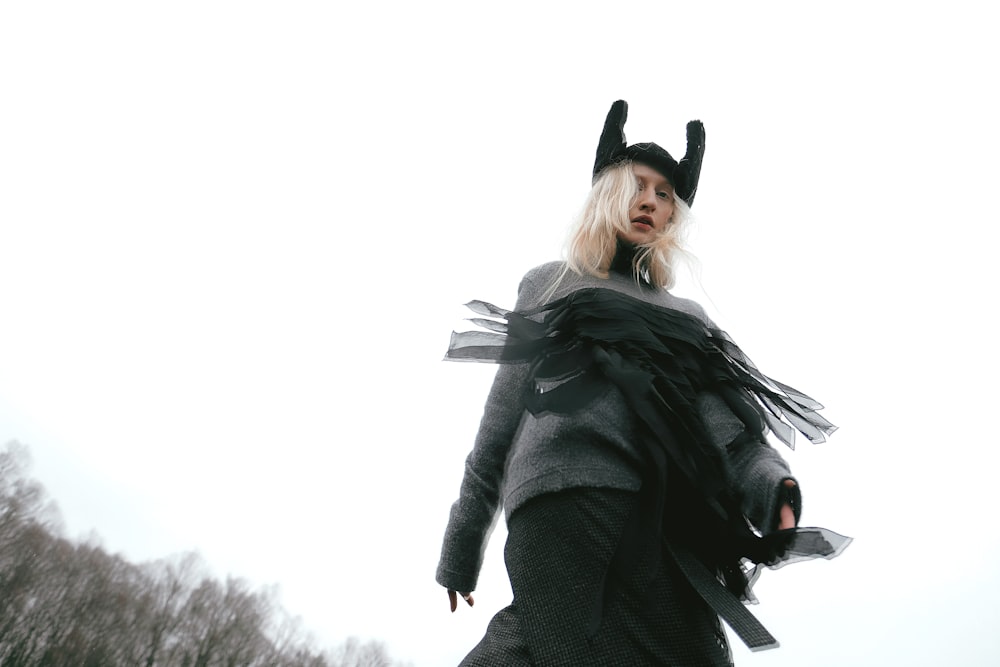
x=612 y=144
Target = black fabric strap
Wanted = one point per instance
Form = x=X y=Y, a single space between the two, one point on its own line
x=722 y=601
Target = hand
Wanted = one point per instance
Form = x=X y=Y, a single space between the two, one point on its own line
x=786 y=516
x=453 y=598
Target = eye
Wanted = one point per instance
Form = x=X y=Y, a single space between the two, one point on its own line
x=663 y=195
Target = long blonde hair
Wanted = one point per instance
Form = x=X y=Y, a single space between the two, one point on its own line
x=593 y=238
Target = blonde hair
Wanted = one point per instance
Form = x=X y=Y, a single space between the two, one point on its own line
x=593 y=237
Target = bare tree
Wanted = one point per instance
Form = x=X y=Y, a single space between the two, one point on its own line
x=354 y=653
x=167 y=583
x=72 y=604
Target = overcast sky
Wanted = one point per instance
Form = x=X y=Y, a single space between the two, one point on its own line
x=235 y=236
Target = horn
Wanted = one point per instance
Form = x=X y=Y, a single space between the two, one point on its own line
x=690 y=165
x=612 y=144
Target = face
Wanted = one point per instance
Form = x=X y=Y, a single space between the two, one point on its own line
x=652 y=208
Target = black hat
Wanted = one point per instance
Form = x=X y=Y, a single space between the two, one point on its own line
x=682 y=175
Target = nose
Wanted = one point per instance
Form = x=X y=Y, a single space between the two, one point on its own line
x=647 y=199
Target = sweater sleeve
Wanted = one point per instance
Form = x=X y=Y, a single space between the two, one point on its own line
x=475 y=513
x=755 y=469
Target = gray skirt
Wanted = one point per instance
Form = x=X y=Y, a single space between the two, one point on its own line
x=557 y=552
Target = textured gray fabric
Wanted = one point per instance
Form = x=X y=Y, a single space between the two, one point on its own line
x=756 y=470
x=517 y=456
x=557 y=551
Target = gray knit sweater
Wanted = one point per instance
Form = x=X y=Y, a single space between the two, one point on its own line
x=518 y=456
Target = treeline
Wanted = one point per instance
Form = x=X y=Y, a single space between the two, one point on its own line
x=66 y=603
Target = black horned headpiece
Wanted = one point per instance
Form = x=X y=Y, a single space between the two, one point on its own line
x=682 y=175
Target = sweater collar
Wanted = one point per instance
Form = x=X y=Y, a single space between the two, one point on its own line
x=624 y=263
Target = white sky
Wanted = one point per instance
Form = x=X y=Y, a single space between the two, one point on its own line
x=234 y=237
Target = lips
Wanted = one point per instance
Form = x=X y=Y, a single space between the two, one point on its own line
x=643 y=220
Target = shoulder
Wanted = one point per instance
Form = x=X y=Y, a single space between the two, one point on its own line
x=689 y=306
x=537 y=282
x=543 y=273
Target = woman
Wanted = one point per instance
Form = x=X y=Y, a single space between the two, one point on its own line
x=625 y=436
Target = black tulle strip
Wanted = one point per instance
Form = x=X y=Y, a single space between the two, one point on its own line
x=661 y=360
x=558 y=336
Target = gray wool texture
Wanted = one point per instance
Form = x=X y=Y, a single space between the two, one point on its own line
x=517 y=456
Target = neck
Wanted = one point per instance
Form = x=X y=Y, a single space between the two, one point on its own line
x=624 y=263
